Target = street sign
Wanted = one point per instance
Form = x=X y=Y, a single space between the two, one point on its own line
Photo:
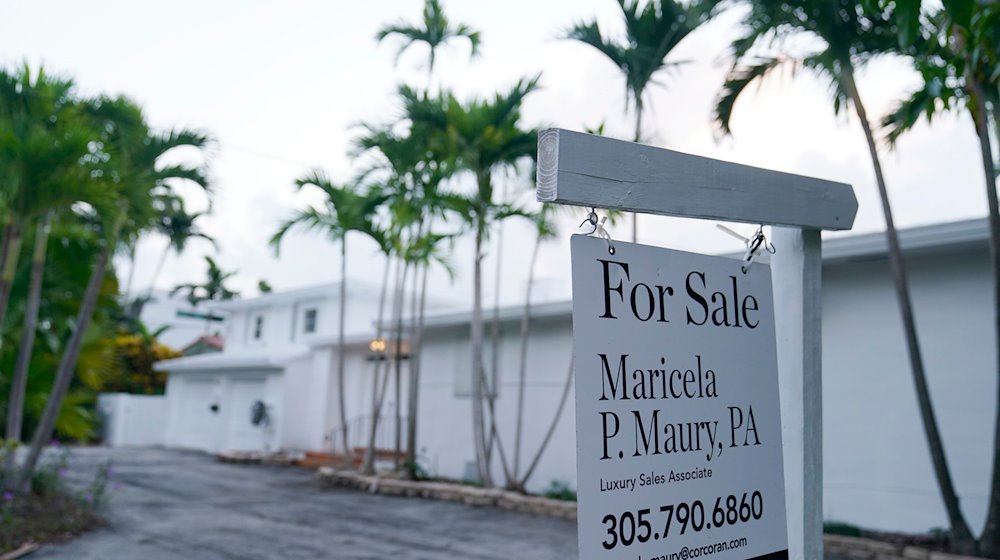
x=678 y=421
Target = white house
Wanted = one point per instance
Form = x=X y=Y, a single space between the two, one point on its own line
x=278 y=353
x=877 y=470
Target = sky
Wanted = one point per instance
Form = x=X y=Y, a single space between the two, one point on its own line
x=283 y=86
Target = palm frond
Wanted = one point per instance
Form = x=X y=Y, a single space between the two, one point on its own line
x=738 y=79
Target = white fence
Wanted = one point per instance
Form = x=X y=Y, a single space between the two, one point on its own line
x=133 y=420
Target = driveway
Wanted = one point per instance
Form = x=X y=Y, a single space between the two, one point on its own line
x=168 y=504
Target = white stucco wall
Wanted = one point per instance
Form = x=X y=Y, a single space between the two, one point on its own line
x=444 y=428
x=133 y=420
x=877 y=468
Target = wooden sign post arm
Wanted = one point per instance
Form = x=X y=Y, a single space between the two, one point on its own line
x=591 y=171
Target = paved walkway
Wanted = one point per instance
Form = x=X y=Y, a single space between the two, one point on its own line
x=174 y=504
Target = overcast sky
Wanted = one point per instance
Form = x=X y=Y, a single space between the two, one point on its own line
x=280 y=85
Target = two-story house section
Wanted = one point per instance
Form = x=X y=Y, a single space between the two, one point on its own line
x=274 y=385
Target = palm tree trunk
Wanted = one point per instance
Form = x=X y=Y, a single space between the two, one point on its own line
x=495 y=439
x=158 y=270
x=131 y=277
x=523 y=369
x=491 y=381
x=341 y=399
x=959 y=528
x=67 y=366
x=8 y=265
x=379 y=393
x=368 y=463
x=415 y=353
x=989 y=542
x=15 y=407
x=398 y=373
x=552 y=428
x=476 y=371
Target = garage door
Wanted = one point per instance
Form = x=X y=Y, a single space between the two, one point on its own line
x=198 y=423
x=241 y=434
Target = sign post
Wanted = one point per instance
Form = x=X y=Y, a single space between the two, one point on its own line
x=590 y=171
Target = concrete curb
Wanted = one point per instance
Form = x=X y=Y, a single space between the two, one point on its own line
x=254 y=458
x=856 y=547
x=449 y=492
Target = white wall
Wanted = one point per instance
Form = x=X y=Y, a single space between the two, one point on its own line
x=133 y=420
x=877 y=467
x=444 y=430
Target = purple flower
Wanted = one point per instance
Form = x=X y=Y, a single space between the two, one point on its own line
x=62 y=472
x=7 y=496
x=89 y=498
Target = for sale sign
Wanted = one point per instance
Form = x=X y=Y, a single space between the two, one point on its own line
x=677 y=411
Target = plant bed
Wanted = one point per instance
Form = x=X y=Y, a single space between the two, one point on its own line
x=449 y=491
x=51 y=511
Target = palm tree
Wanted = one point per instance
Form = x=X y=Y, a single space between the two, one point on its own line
x=435 y=30
x=412 y=166
x=39 y=141
x=846 y=36
x=212 y=289
x=348 y=208
x=487 y=136
x=129 y=185
x=653 y=29
x=545 y=228
x=179 y=227
x=42 y=148
x=955 y=50
x=422 y=252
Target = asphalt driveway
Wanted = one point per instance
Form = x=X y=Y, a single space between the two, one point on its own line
x=167 y=504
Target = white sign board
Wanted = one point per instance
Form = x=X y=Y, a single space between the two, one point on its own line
x=677 y=410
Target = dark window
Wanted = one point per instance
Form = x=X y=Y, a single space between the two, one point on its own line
x=310 y=322
x=258 y=327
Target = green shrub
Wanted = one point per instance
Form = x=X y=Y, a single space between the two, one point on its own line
x=840 y=528
x=560 y=490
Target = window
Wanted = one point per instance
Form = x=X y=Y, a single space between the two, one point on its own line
x=310 y=322
x=258 y=327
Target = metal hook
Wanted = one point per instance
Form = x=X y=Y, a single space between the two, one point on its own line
x=592 y=219
x=755 y=244
x=598 y=228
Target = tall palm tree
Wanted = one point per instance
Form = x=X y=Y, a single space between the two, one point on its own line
x=412 y=165
x=845 y=37
x=435 y=30
x=42 y=149
x=487 y=136
x=212 y=289
x=423 y=251
x=545 y=228
x=179 y=227
x=38 y=141
x=129 y=185
x=347 y=208
x=955 y=49
x=653 y=29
